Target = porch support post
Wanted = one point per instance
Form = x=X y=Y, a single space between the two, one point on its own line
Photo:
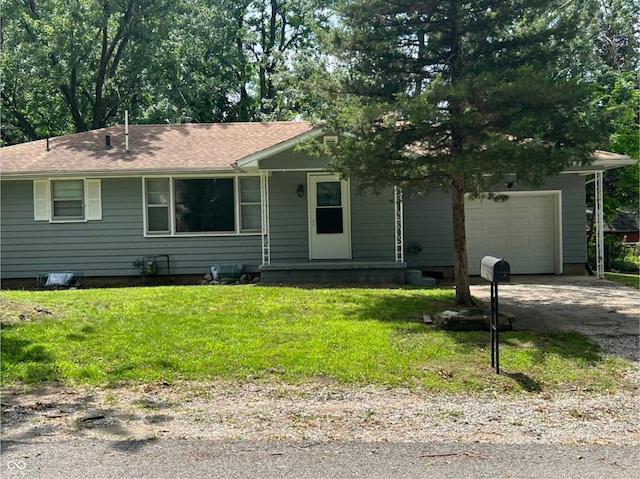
x=264 y=203
x=599 y=212
x=399 y=223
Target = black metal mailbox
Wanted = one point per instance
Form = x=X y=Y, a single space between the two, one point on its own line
x=495 y=269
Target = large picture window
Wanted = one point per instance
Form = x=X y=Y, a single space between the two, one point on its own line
x=202 y=205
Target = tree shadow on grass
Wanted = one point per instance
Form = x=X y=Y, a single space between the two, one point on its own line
x=34 y=360
x=527 y=383
x=403 y=308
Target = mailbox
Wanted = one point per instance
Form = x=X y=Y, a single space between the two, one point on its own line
x=495 y=269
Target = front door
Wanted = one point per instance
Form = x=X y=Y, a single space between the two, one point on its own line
x=329 y=217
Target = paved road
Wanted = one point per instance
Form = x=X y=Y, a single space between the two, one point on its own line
x=265 y=460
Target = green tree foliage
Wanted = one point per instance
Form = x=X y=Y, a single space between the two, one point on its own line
x=74 y=63
x=609 y=53
x=459 y=95
x=77 y=65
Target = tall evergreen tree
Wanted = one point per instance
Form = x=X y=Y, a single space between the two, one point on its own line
x=458 y=95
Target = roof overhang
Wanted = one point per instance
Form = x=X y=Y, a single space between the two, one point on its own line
x=604 y=160
x=252 y=162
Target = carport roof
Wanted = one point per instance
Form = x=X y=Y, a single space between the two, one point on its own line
x=604 y=160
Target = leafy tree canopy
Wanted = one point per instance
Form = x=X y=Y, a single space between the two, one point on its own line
x=73 y=65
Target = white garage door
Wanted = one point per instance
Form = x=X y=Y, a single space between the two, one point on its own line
x=523 y=230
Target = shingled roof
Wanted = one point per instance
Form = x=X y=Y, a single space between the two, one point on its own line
x=190 y=147
x=623 y=222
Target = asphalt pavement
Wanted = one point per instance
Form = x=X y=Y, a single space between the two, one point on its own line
x=176 y=459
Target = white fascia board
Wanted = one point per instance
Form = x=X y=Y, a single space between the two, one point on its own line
x=251 y=161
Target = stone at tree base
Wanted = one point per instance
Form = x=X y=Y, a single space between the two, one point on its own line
x=470 y=320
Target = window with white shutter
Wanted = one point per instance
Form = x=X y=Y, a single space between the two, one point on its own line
x=67 y=200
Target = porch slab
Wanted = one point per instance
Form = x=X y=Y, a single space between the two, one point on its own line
x=332 y=272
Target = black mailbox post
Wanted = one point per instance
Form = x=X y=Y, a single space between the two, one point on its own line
x=495 y=270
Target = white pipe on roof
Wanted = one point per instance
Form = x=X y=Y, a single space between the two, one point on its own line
x=126 y=131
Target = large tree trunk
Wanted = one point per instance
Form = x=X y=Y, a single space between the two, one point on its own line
x=460 y=261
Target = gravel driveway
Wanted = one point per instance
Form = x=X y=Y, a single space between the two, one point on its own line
x=319 y=412
x=605 y=311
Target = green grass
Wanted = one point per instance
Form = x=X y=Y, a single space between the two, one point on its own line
x=353 y=336
x=632 y=280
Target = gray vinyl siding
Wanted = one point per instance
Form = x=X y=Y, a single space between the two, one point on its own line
x=574 y=206
x=427 y=222
x=108 y=247
x=372 y=221
x=372 y=226
x=292 y=159
x=288 y=217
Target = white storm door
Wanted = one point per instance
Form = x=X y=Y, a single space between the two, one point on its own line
x=329 y=218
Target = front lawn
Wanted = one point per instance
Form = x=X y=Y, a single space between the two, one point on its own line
x=254 y=333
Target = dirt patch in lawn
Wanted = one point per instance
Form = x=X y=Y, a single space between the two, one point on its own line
x=14 y=312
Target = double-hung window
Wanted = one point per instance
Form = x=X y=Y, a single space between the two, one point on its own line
x=158 y=205
x=67 y=200
x=201 y=206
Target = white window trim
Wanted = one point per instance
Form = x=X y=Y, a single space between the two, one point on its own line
x=91 y=201
x=172 y=220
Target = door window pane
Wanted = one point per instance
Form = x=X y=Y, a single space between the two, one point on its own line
x=329 y=221
x=329 y=193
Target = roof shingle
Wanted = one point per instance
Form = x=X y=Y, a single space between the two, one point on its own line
x=161 y=148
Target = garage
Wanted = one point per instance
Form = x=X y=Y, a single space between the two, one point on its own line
x=524 y=230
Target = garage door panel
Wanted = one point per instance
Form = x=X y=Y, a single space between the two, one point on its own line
x=522 y=230
x=499 y=225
